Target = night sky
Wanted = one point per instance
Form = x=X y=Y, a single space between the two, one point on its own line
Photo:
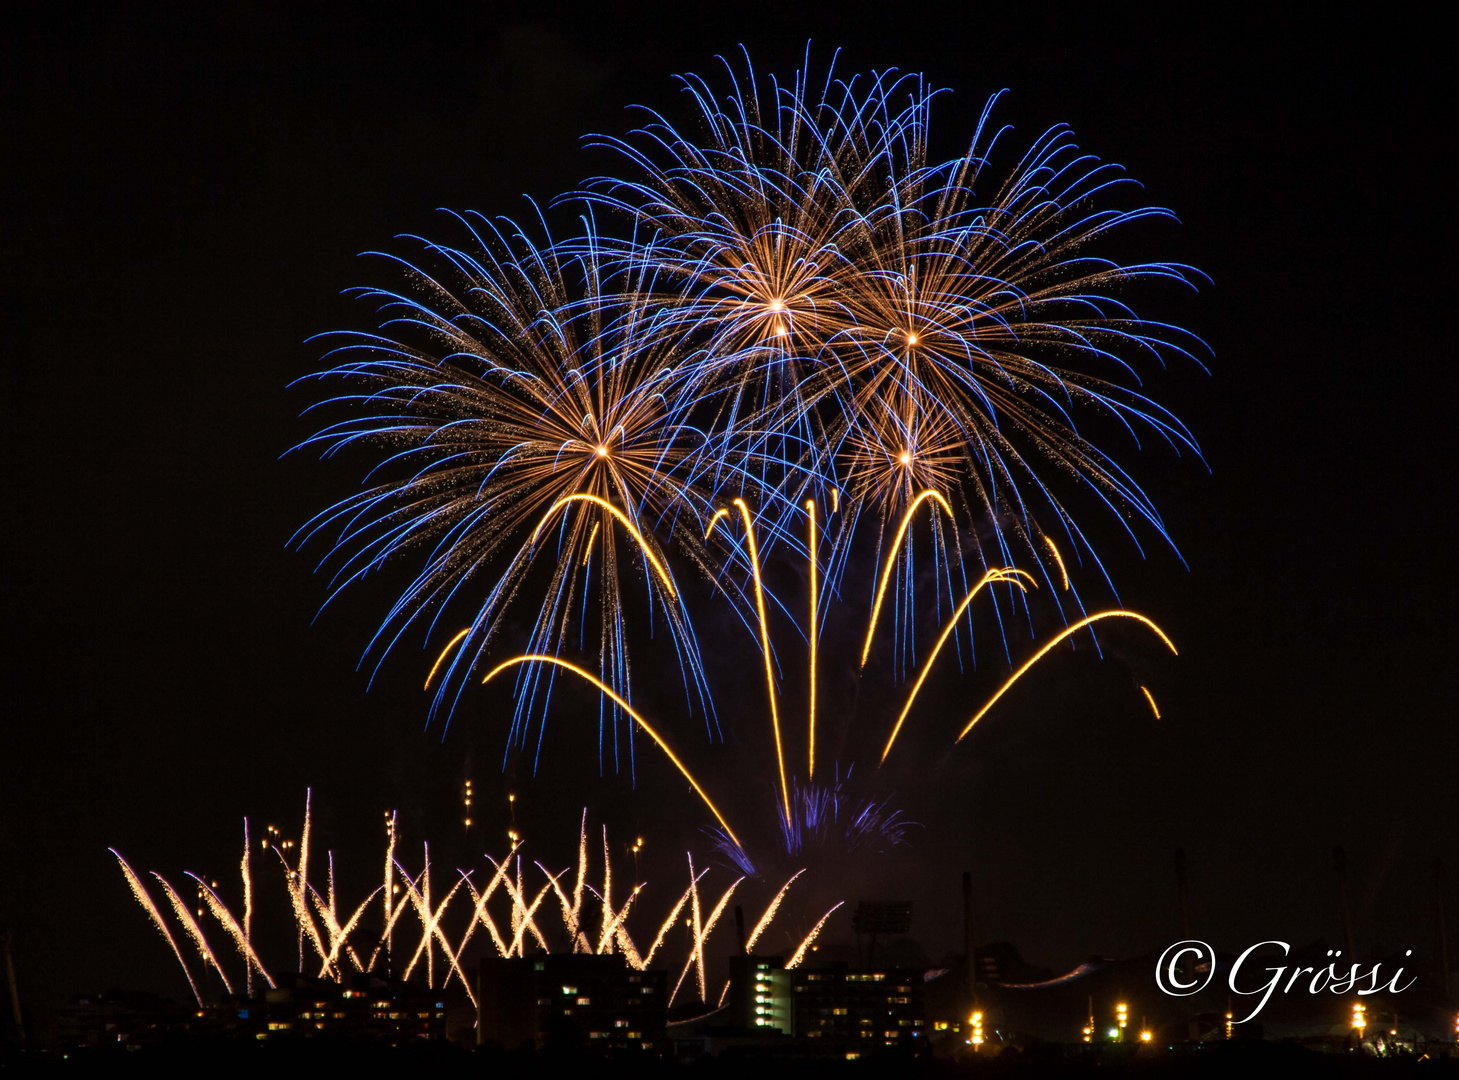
x=187 y=192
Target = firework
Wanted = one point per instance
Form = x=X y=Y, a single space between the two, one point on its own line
x=783 y=308
x=439 y=924
x=514 y=430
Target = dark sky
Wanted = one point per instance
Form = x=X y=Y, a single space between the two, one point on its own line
x=187 y=190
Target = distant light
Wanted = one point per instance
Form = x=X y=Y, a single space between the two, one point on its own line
x=1144 y=1036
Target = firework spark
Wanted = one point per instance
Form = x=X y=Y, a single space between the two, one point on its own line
x=786 y=303
x=1080 y=625
x=435 y=918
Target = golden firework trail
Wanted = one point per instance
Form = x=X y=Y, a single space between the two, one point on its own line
x=1006 y=574
x=240 y=938
x=609 y=692
x=614 y=933
x=418 y=897
x=795 y=960
x=525 y=921
x=431 y=933
x=1080 y=625
x=194 y=931
x=445 y=653
x=1151 y=699
x=140 y=892
x=696 y=927
x=765 y=648
x=886 y=576
x=606 y=897
x=802 y=293
x=588 y=555
x=391 y=912
x=622 y=518
x=672 y=920
x=812 y=628
x=770 y=911
x=246 y=940
x=721 y=512
x=479 y=915
x=696 y=954
x=1059 y=559
x=522 y=919
x=339 y=933
x=297 y=880
x=580 y=939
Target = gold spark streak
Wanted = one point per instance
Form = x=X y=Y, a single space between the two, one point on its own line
x=696 y=955
x=795 y=960
x=810 y=506
x=431 y=932
x=519 y=940
x=723 y=994
x=386 y=938
x=696 y=950
x=835 y=500
x=298 y=885
x=765 y=648
x=591 y=537
x=1006 y=574
x=339 y=935
x=140 y=892
x=612 y=933
x=1038 y=655
x=577 y=891
x=1151 y=699
x=652 y=734
x=247 y=938
x=569 y=920
x=670 y=921
x=521 y=918
x=442 y=658
x=606 y=896
x=721 y=512
x=892 y=562
x=770 y=911
x=224 y=916
x=625 y=943
x=481 y=915
x=194 y=931
x=622 y=517
x=391 y=918
x=1060 y=560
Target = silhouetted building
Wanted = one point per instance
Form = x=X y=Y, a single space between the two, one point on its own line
x=865 y=1010
x=762 y=994
x=369 y=1009
x=592 y=1003
x=821 y=1010
x=117 y=1018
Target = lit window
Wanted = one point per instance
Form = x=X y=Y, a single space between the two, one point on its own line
x=585 y=1001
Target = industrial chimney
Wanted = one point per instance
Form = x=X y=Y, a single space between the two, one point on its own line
x=1340 y=864
x=968 y=940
